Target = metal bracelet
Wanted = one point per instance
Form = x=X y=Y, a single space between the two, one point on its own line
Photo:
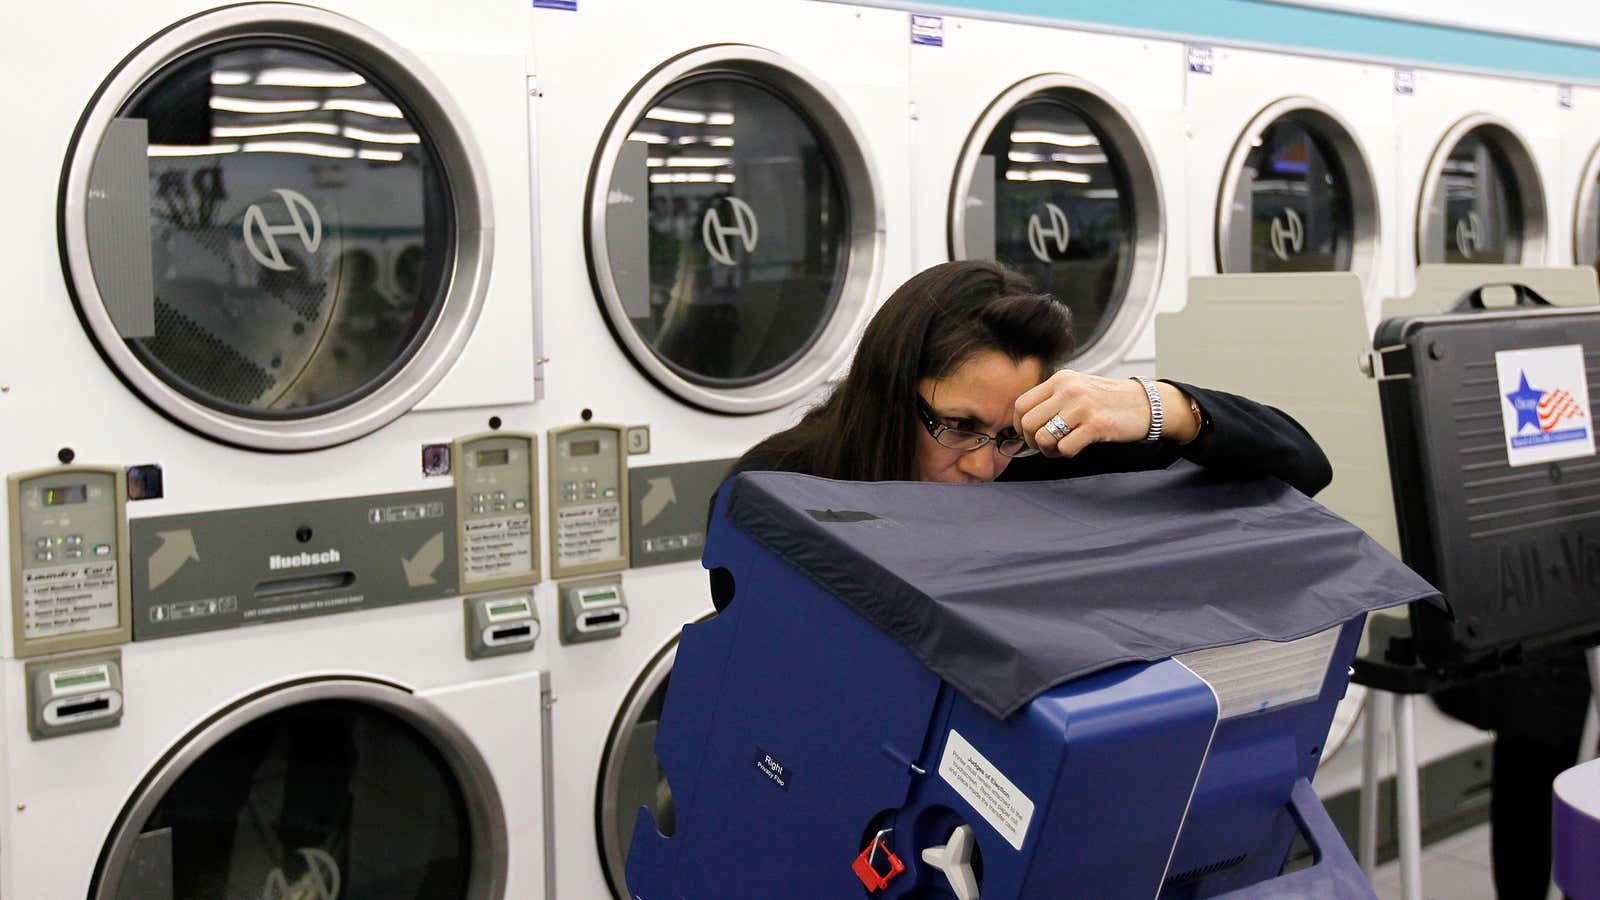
x=1157 y=416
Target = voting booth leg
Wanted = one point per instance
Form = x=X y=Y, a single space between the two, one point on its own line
x=1591 y=735
x=1407 y=796
x=1591 y=723
x=1371 y=769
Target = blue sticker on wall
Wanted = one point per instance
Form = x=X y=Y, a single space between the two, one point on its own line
x=927 y=31
x=567 y=5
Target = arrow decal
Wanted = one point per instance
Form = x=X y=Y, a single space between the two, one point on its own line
x=421 y=566
x=657 y=498
x=177 y=548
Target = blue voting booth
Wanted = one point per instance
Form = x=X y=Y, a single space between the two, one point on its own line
x=1107 y=687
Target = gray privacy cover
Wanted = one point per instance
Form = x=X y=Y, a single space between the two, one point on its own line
x=1006 y=590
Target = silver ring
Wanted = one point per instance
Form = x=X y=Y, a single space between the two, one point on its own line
x=1057 y=427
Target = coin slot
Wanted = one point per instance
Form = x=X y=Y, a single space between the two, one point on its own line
x=509 y=633
x=596 y=620
x=83 y=707
x=303 y=584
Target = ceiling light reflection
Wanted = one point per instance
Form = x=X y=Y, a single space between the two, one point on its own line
x=1048 y=175
x=668 y=114
x=381 y=137
x=304 y=148
x=265 y=107
x=1059 y=138
x=699 y=162
x=693 y=178
x=239 y=131
x=308 y=78
x=379 y=108
x=190 y=149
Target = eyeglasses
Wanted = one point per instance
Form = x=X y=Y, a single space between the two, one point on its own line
x=1007 y=442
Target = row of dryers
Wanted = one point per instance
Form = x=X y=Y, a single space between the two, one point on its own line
x=325 y=304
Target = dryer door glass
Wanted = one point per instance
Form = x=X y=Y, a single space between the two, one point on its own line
x=1062 y=211
x=726 y=231
x=630 y=774
x=294 y=222
x=330 y=798
x=1291 y=206
x=1478 y=198
x=1589 y=219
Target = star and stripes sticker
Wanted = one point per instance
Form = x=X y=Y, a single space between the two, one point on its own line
x=1546 y=408
x=1543 y=410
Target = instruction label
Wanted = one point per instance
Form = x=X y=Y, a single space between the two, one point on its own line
x=990 y=792
x=498 y=547
x=69 y=599
x=927 y=31
x=589 y=533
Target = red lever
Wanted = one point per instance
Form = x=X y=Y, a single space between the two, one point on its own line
x=877 y=864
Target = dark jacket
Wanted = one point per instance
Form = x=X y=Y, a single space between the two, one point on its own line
x=1242 y=437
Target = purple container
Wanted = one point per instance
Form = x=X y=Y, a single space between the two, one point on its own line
x=1577 y=831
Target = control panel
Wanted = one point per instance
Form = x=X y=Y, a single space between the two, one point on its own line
x=73 y=694
x=496 y=499
x=588 y=497
x=69 y=559
x=592 y=610
x=501 y=624
x=246 y=566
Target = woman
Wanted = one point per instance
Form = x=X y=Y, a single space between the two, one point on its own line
x=956 y=379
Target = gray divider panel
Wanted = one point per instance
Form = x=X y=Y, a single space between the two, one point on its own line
x=1439 y=285
x=1294 y=341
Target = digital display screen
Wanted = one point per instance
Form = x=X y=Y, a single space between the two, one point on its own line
x=585 y=448
x=63 y=494
x=71 y=681
x=505 y=608
x=493 y=457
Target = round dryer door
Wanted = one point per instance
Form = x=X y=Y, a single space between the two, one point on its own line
x=328 y=789
x=630 y=775
x=273 y=227
x=1299 y=196
x=734 y=229
x=1586 y=249
x=1482 y=200
x=1057 y=182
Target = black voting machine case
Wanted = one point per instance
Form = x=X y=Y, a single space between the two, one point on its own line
x=1515 y=549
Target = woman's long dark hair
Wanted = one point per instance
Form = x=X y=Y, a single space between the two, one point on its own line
x=867 y=428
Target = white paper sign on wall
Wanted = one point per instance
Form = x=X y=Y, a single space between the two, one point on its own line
x=1544 y=402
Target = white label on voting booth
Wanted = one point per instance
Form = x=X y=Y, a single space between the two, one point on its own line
x=991 y=793
x=1544 y=403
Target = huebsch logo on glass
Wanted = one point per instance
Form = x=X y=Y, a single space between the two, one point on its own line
x=1544 y=402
